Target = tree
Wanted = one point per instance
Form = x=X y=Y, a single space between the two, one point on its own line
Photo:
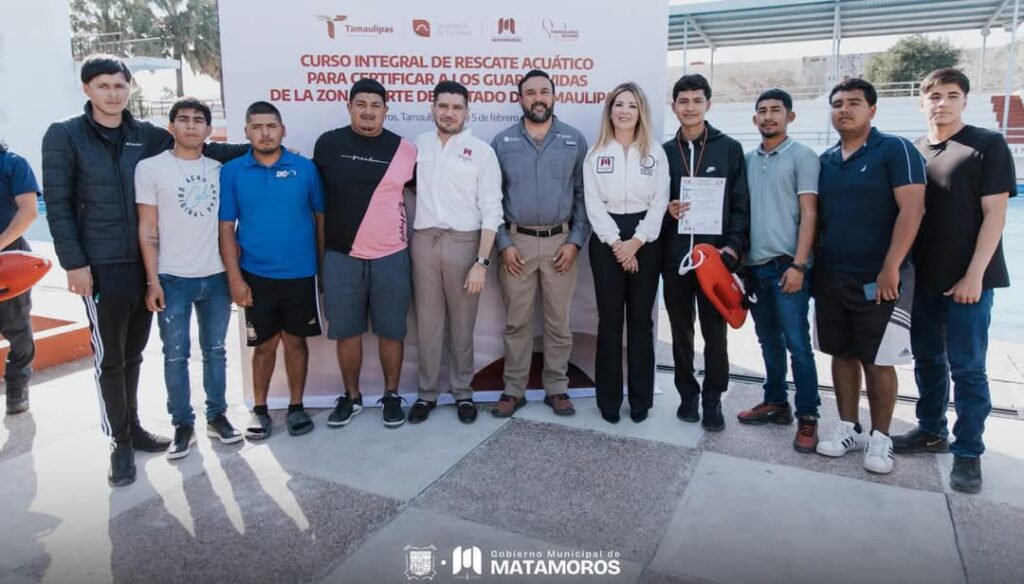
x=188 y=30
x=911 y=59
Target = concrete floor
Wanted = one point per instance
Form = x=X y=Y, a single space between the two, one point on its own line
x=667 y=502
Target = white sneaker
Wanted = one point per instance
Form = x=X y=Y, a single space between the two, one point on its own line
x=879 y=457
x=843 y=440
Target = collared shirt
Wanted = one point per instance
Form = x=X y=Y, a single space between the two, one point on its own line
x=775 y=180
x=274 y=207
x=857 y=208
x=542 y=184
x=617 y=181
x=458 y=184
x=16 y=178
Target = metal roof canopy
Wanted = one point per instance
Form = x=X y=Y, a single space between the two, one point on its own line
x=729 y=23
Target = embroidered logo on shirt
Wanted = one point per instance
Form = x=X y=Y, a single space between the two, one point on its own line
x=467 y=154
x=865 y=168
x=286 y=173
x=133 y=143
x=605 y=164
x=647 y=164
x=711 y=169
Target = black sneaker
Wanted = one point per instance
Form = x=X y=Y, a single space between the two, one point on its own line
x=918 y=441
x=17 y=399
x=419 y=411
x=687 y=411
x=713 y=420
x=637 y=414
x=221 y=429
x=146 y=441
x=122 y=464
x=466 y=410
x=394 y=415
x=184 y=438
x=345 y=408
x=966 y=474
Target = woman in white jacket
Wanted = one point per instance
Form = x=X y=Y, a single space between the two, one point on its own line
x=626 y=186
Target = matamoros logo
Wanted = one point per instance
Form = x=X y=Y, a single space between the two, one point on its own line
x=559 y=32
x=341 y=25
x=506 y=31
x=471 y=563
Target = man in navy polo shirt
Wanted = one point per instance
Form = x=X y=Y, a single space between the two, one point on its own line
x=18 y=190
x=272 y=195
x=871 y=197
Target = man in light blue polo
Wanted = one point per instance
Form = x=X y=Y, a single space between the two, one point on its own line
x=272 y=196
x=782 y=176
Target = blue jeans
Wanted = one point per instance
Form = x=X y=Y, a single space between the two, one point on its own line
x=212 y=300
x=951 y=338
x=780 y=321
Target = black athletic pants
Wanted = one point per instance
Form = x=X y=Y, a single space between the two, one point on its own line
x=120 y=329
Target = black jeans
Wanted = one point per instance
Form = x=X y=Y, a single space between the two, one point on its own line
x=617 y=289
x=16 y=327
x=684 y=298
x=120 y=326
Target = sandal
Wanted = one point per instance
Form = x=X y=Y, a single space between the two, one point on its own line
x=259 y=428
x=299 y=423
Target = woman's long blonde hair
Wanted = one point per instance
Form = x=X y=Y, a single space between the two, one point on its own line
x=642 y=136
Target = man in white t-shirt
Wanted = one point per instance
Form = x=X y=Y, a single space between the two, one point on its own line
x=178 y=196
x=458 y=211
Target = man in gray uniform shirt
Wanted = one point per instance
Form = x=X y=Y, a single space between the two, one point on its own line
x=546 y=223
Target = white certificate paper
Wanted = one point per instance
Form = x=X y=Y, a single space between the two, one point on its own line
x=706 y=196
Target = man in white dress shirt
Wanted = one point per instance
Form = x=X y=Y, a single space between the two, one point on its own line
x=458 y=211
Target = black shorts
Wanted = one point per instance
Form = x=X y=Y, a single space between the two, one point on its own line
x=847 y=324
x=289 y=305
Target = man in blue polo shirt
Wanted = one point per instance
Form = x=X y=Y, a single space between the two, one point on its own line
x=871 y=191
x=272 y=195
x=18 y=190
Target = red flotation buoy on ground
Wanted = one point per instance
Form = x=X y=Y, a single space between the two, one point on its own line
x=723 y=288
x=19 y=271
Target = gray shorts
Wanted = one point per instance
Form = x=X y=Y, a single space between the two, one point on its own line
x=354 y=287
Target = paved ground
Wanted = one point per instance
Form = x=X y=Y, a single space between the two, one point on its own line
x=668 y=503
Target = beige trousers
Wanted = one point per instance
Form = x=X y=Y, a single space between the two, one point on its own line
x=556 y=292
x=441 y=258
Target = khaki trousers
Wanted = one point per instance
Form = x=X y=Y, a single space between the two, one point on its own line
x=556 y=292
x=441 y=258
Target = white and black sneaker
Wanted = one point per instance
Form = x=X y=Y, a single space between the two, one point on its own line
x=879 y=457
x=345 y=408
x=184 y=438
x=221 y=429
x=844 y=439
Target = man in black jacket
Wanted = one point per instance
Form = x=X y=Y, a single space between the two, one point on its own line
x=700 y=151
x=88 y=184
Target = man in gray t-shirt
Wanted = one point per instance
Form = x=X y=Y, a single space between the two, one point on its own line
x=782 y=175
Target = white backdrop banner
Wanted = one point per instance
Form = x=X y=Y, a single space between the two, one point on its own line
x=303 y=56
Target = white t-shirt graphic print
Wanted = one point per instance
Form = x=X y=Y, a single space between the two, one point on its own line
x=186 y=194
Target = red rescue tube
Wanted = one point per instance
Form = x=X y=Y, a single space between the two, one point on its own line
x=720 y=286
x=19 y=271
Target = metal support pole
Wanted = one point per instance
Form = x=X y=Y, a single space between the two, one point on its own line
x=833 y=72
x=1010 y=67
x=686 y=44
x=981 y=67
x=712 y=80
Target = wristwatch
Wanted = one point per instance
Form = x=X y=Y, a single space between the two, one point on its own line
x=802 y=268
x=485 y=262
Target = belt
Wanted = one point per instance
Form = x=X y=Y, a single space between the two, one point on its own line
x=548 y=232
